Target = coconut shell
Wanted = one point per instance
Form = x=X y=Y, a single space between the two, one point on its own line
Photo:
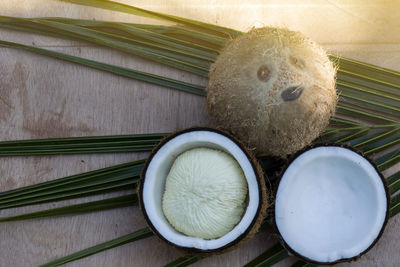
x=275 y=191
x=263 y=196
x=274 y=89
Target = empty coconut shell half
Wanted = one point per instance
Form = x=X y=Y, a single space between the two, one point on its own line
x=331 y=204
x=202 y=191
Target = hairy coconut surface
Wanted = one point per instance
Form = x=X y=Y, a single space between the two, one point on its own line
x=274 y=89
x=205 y=193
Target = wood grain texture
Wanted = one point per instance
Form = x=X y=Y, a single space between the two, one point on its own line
x=42 y=97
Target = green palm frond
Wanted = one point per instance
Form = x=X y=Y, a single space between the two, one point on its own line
x=173 y=34
x=145 y=49
x=99 y=205
x=302 y=264
x=271 y=256
x=367 y=139
x=113 y=178
x=81 y=145
x=395 y=208
x=115 y=6
x=124 y=72
x=138 y=235
x=388 y=160
x=393 y=182
x=184 y=261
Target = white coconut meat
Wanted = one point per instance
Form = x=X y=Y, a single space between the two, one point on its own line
x=205 y=193
x=153 y=186
x=331 y=204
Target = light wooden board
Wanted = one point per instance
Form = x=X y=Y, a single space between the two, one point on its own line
x=42 y=97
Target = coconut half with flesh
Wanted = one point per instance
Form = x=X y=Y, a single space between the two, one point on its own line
x=331 y=205
x=202 y=191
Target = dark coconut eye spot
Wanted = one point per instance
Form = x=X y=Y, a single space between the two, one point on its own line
x=263 y=73
x=297 y=62
x=291 y=93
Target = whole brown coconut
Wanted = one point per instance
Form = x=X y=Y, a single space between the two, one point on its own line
x=274 y=89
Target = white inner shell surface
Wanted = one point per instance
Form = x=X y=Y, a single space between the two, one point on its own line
x=205 y=193
x=158 y=169
x=331 y=204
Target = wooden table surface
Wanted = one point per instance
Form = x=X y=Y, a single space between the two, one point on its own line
x=43 y=97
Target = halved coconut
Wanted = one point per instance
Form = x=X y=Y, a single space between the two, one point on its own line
x=161 y=164
x=331 y=205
